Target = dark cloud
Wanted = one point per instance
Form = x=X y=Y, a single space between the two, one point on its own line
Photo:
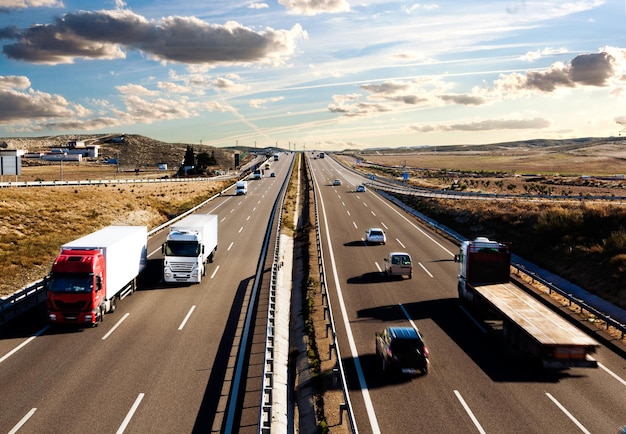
x=103 y=34
x=592 y=69
x=585 y=70
x=358 y=109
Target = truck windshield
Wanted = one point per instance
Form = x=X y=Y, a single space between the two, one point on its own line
x=82 y=283
x=182 y=248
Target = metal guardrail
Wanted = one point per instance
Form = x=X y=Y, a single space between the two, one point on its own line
x=582 y=304
x=19 y=302
x=339 y=370
x=396 y=187
x=267 y=414
x=84 y=182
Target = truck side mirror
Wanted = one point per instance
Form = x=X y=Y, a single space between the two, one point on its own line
x=457 y=258
x=98 y=283
x=386 y=260
x=163 y=248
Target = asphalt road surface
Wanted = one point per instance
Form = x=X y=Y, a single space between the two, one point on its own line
x=474 y=383
x=159 y=362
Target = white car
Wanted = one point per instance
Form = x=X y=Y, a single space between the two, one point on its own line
x=337 y=182
x=375 y=236
x=398 y=264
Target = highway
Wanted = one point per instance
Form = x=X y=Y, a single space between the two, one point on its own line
x=474 y=384
x=159 y=363
x=162 y=362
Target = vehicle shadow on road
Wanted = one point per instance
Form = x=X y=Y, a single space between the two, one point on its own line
x=373 y=277
x=359 y=243
x=488 y=352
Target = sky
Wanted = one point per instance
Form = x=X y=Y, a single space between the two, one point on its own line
x=314 y=74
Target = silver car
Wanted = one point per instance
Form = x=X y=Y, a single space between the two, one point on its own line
x=375 y=236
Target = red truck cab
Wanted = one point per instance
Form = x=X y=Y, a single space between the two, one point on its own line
x=75 y=287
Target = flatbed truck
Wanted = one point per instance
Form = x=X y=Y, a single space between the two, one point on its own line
x=525 y=323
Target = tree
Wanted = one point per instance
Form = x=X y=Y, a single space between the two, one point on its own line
x=189 y=159
x=205 y=160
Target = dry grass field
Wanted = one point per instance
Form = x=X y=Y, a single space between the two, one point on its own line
x=568 y=168
x=584 y=242
x=36 y=221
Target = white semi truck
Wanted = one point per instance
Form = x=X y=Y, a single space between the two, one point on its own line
x=92 y=272
x=190 y=245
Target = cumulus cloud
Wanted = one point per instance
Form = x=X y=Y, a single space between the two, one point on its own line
x=22 y=4
x=25 y=109
x=595 y=69
x=104 y=35
x=531 y=56
x=228 y=83
x=419 y=7
x=261 y=103
x=256 y=5
x=315 y=7
x=463 y=99
x=359 y=109
x=18 y=101
x=606 y=68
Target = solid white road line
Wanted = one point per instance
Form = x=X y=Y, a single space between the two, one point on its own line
x=21 y=423
x=568 y=414
x=23 y=344
x=115 y=326
x=346 y=320
x=130 y=414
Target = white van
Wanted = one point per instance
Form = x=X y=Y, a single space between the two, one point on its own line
x=242 y=187
x=398 y=264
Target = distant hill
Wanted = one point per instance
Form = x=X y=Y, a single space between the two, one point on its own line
x=545 y=145
x=134 y=151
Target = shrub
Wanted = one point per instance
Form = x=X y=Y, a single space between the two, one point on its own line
x=558 y=221
x=615 y=243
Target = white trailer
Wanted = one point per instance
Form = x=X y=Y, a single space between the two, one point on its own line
x=190 y=244
x=91 y=272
